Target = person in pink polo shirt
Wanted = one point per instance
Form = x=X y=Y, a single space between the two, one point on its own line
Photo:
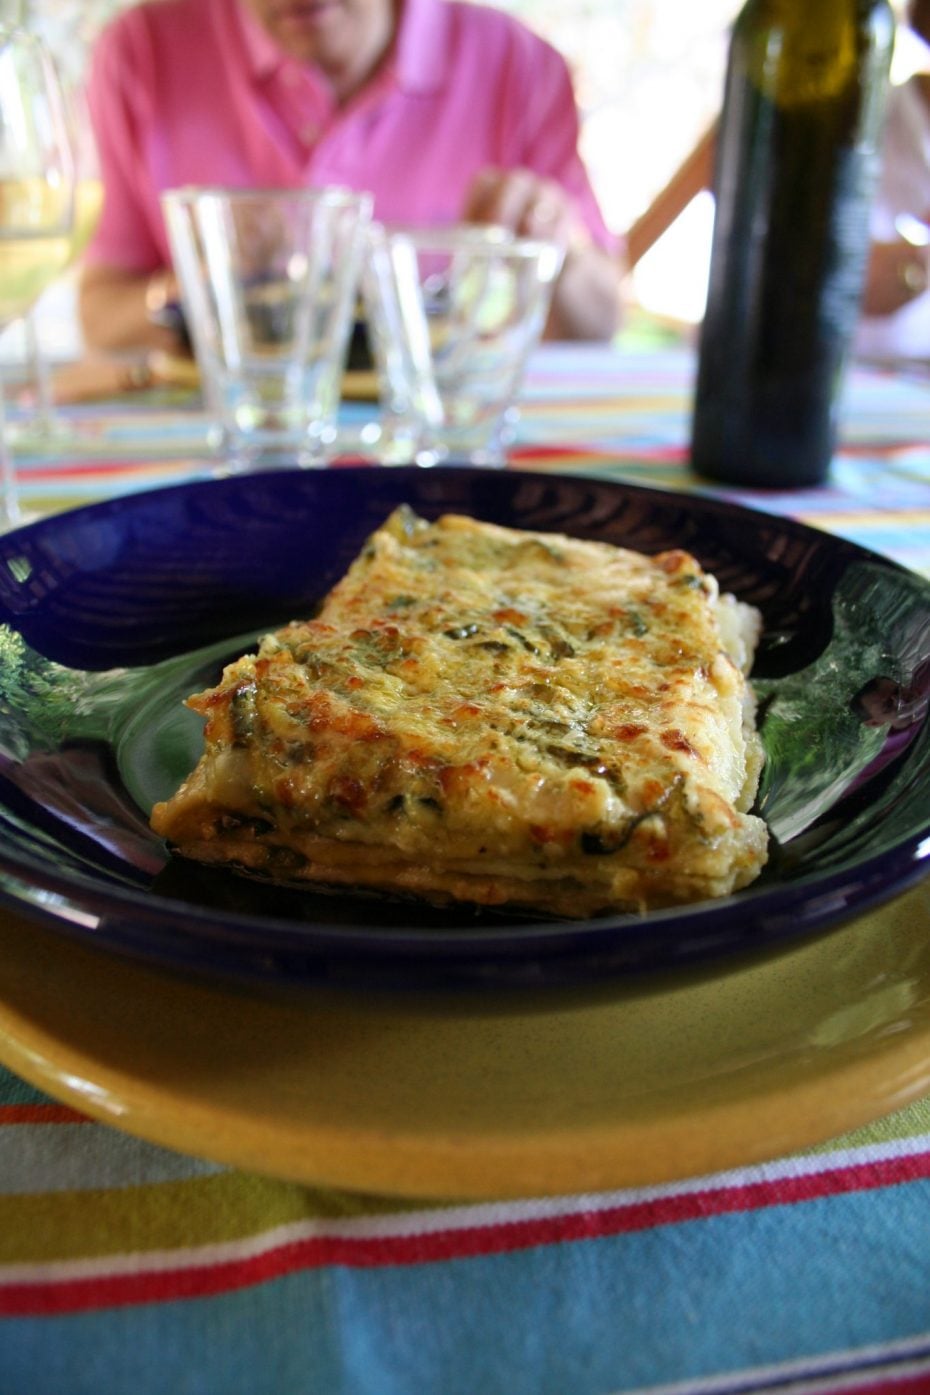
x=444 y=110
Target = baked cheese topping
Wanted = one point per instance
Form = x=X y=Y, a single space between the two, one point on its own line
x=490 y=715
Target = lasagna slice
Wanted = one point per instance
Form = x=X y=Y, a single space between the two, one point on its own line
x=493 y=716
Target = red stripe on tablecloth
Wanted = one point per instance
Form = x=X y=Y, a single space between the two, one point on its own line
x=559 y=452
x=892 y=1375
x=555 y=452
x=76 y=469
x=40 y=1113
x=365 y=1251
x=917 y=1384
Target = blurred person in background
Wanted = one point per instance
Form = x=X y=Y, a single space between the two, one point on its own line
x=896 y=305
x=445 y=111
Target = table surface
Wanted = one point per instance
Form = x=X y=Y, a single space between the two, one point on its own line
x=126 y=1266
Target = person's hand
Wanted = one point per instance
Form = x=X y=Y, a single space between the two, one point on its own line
x=523 y=202
x=586 y=299
x=898 y=272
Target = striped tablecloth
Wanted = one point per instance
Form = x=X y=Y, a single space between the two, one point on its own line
x=125 y=1267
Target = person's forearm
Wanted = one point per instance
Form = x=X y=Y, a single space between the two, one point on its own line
x=898 y=273
x=114 y=311
x=586 y=303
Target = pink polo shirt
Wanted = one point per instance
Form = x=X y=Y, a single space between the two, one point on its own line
x=194 y=92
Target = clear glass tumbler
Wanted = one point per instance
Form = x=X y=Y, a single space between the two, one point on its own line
x=269 y=282
x=454 y=314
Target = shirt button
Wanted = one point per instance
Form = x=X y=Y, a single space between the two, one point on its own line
x=309 y=133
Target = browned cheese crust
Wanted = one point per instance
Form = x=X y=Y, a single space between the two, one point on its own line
x=495 y=716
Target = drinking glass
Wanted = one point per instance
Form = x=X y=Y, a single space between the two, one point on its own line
x=36 y=199
x=455 y=313
x=268 y=282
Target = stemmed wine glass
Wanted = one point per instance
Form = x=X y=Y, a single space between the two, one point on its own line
x=36 y=199
x=47 y=428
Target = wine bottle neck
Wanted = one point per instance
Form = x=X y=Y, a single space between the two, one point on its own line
x=795 y=53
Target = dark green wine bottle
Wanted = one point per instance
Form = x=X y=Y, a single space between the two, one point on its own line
x=796 y=162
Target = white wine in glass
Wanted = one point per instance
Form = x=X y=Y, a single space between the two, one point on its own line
x=37 y=188
x=46 y=428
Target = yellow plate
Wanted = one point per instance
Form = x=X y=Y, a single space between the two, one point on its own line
x=470 y=1097
x=175 y=370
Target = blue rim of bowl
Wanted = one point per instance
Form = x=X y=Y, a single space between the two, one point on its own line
x=516 y=954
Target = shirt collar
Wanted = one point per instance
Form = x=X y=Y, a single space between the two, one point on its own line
x=421 y=61
x=263 y=55
x=421 y=53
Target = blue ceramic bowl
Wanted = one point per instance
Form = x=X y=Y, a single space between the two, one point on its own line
x=112 y=614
